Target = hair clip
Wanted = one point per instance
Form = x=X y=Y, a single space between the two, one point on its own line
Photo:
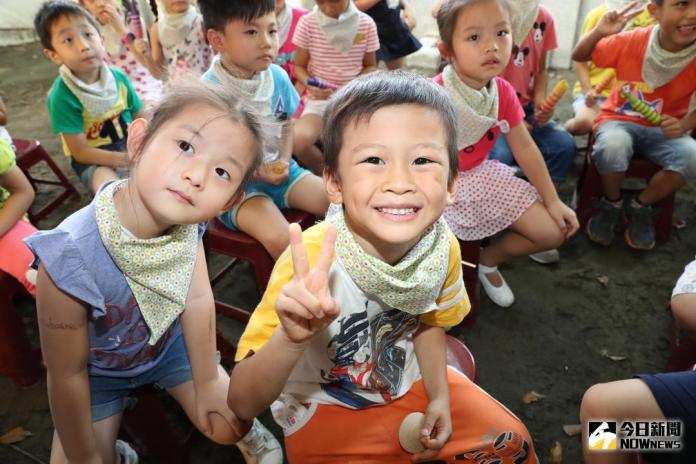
x=503 y=125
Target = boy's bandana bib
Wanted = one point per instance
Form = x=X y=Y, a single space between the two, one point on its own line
x=158 y=270
x=284 y=20
x=523 y=13
x=661 y=66
x=340 y=32
x=257 y=91
x=477 y=109
x=173 y=28
x=414 y=283
x=97 y=98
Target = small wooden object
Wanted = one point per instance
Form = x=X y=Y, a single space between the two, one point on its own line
x=410 y=433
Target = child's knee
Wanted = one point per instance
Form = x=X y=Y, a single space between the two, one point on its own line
x=276 y=243
x=684 y=310
x=613 y=150
x=594 y=403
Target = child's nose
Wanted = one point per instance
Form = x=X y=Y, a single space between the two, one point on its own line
x=195 y=173
x=399 y=179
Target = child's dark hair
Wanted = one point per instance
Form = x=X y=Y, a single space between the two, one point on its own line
x=52 y=11
x=364 y=96
x=217 y=13
x=186 y=93
x=447 y=16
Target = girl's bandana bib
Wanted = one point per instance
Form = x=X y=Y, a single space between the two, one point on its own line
x=284 y=20
x=97 y=98
x=477 y=109
x=173 y=28
x=340 y=32
x=661 y=66
x=158 y=270
x=414 y=283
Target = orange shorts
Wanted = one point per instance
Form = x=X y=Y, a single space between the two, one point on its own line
x=483 y=431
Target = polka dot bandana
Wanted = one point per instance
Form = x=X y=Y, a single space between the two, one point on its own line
x=158 y=270
x=414 y=283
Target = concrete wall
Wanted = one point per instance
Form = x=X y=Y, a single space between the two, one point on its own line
x=16 y=21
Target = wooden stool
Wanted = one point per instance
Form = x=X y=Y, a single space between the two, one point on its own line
x=470 y=253
x=17 y=358
x=30 y=152
x=589 y=191
x=459 y=357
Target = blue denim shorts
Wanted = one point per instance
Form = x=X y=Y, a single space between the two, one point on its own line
x=616 y=142
x=110 y=395
x=278 y=194
x=86 y=171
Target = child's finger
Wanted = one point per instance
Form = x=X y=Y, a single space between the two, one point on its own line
x=306 y=299
x=204 y=423
x=291 y=307
x=300 y=262
x=326 y=251
x=627 y=8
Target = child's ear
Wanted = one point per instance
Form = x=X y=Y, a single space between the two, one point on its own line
x=452 y=191
x=215 y=39
x=136 y=133
x=53 y=56
x=333 y=187
x=444 y=50
x=236 y=199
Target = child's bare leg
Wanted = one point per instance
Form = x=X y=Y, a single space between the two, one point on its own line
x=621 y=400
x=582 y=122
x=661 y=185
x=222 y=431
x=306 y=134
x=105 y=434
x=261 y=218
x=684 y=311
x=611 y=185
x=308 y=194
x=102 y=174
x=534 y=231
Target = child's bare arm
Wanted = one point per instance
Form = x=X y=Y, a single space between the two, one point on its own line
x=541 y=81
x=305 y=308
x=611 y=23
x=582 y=71
x=20 y=200
x=3 y=113
x=408 y=15
x=369 y=63
x=86 y=154
x=156 y=62
x=365 y=4
x=65 y=347
x=301 y=63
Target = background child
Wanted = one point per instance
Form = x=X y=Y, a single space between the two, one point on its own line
x=334 y=339
x=656 y=65
x=336 y=42
x=90 y=104
x=130 y=56
x=395 y=38
x=287 y=17
x=245 y=64
x=476 y=40
x=4 y=134
x=587 y=101
x=179 y=46
x=123 y=296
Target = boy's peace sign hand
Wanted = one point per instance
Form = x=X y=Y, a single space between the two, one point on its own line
x=614 y=22
x=305 y=305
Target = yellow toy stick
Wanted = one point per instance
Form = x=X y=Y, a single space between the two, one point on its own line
x=603 y=84
x=639 y=106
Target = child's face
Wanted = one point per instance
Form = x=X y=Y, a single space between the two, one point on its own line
x=76 y=44
x=176 y=6
x=481 y=43
x=96 y=7
x=677 y=20
x=247 y=48
x=332 y=8
x=191 y=169
x=392 y=178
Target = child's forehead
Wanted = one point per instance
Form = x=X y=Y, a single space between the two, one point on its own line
x=68 y=23
x=260 y=21
x=488 y=9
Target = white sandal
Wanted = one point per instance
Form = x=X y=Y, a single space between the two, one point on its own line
x=502 y=296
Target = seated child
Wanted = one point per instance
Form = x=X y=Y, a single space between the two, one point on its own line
x=287 y=17
x=490 y=198
x=655 y=65
x=123 y=296
x=16 y=196
x=586 y=100
x=90 y=104
x=350 y=334
x=178 y=42
x=129 y=53
x=245 y=64
x=394 y=32
x=4 y=134
x=336 y=42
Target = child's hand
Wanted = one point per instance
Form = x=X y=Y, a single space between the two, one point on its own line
x=268 y=173
x=410 y=20
x=318 y=93
x=142 y=47
x=305 y=305
x=437 y=429
x=671 y=127
x=212 y=400
x=564 y=217
x=591 y=98
x=110 y=15
x=543 y=117
x=614 y=22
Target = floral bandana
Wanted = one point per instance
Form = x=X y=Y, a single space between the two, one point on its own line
x=97 y=98
x=340 y=32
x=414 y=283
x=158 y=270
x=477 y=110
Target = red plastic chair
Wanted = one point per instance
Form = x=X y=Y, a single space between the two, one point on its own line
x=17 y=358
x=459 y=357
x=470 y=253
x=30 y=152
x=589 y=191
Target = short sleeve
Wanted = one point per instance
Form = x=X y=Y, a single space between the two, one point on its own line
x=7 y=157
x=608 y=51
x=509 y=106
x=453 y=302
x=372 y=37
x=64 y=109
x=301 y=36
x=285 y=89
x=550 y=39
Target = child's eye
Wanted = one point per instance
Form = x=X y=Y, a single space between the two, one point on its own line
x=503 y=33
x=250 y=32
x=184 y=146
x=222 y=173
x=373 y=160
x=67 y=40
x=274 y=31
x=422 y=160
x=473 y=37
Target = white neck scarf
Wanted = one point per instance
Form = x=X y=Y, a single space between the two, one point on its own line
x=258 y=91
x=340 y=32
x=284 y=20
x=173 y=28
x=661 y=66
x=477 y=109
x=97 y=98
x=523 y=13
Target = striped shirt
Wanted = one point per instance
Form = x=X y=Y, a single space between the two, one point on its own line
x=327 y=63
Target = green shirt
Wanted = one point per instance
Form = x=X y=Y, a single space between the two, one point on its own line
x=7 y=162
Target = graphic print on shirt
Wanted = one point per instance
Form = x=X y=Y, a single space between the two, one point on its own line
x=519 y=55
x=539 y=29
x=366 y=357
x=506 y=444
x=626 y=108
